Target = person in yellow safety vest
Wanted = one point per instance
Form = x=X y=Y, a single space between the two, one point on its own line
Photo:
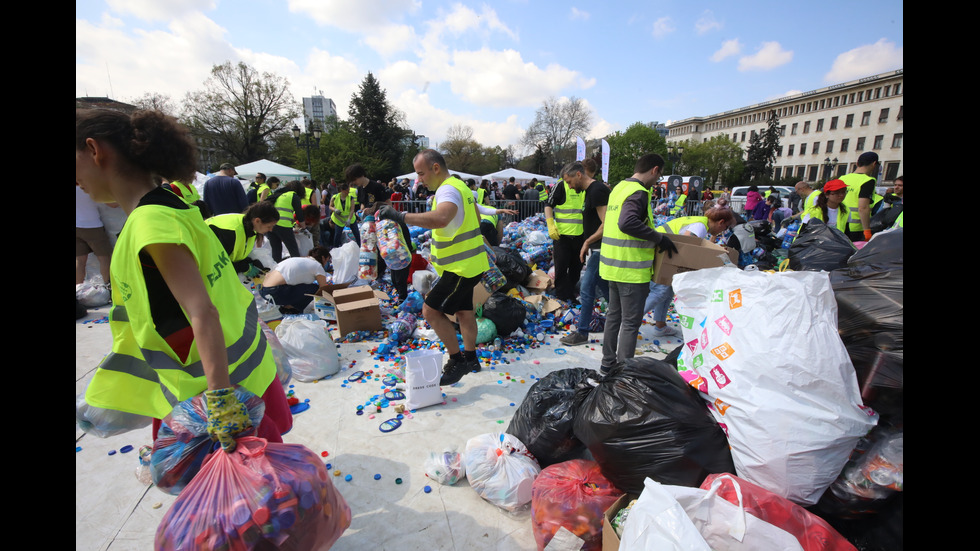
x=563 y=214
x=459 y=255
x=238 y=233
x=182 y=322
x=288 y=201
x=900 y=221
x=265 y=187
x=489 y=217
x=341 y=213
x=715 y=222
x=186 y=192
x=829 y=206
x=678 y=204
x=542 y=192
x=311 y=196
x=808 y=198
x=629 y=244
x=860 y=194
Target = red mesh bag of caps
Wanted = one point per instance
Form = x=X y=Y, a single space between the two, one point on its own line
x=573 y=494
x=811 y=531
x=262 y=495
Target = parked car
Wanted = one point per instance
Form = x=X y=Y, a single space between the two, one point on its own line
x=739 y=193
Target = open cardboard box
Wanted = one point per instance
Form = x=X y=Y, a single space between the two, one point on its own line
x=693 y=253
x=610 y=541
x=355 y=308
x=539 y=281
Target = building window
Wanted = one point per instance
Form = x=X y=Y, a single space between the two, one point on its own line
x=777 y=172
x=816 y=148
x=782 y=131
x=806 y=127
x=800 y=172
x=843 y=145
x=878 y=142
x=779 y=151
x=883 y=116
x=792 y=131
x=860 y=97
x=822 y=103
x=860 y=144
x=830 y=146
x=789 y=152
x=820 y=125
x=812 y=173
x=901 y=108
x=852 y=98
x=836 y=101
x=735 y=137
x=877 y=92
x=898 y=88
x=897 y=140
x=802 y=149
x=891 y=171
x=833 y=123
x=887 y=90
x=849 y=121
x=743 y=136
x=866 y=118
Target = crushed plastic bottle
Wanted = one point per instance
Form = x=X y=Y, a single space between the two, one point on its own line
x=143 y=473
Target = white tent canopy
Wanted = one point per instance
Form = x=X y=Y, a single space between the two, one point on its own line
x=519 y=175
x=270 y=169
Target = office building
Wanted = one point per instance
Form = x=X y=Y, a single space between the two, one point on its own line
x=317 y=110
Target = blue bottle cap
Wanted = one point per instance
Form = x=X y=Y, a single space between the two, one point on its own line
x=126 y=449
x=427 y=489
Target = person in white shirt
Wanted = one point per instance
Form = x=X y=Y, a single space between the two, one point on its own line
x=90 y=236
x=292 y=282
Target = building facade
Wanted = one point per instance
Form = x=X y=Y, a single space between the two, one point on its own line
x=822 y=132
x=317 y=110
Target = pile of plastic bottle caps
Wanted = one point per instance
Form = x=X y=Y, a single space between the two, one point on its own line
x=530 y=236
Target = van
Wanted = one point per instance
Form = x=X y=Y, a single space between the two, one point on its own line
x=739 y=192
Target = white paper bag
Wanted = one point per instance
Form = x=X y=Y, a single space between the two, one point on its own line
x=423 y=369
x=765 y=352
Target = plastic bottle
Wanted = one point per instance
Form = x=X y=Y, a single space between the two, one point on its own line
x=367 y=260
x=143 y=473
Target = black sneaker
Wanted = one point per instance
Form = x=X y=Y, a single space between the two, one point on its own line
x=455 y=369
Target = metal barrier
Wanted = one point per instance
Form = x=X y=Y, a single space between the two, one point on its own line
x=527 y=208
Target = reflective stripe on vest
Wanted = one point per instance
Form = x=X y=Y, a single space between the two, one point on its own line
x=235 y=223
x=622 y=257
x=284 y=204
x=462 y=252
x=852 y=201
x=143 y=375
x=568 y=215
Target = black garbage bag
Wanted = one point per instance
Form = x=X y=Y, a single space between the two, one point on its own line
x=507 y=313
x=512 y=266
x=643 y=420
x=885 y=218
x=870 y=318
x=545 y=419
x=819 y=247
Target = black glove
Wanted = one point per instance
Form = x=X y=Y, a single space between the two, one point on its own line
x=666 y=245
x=388 y=212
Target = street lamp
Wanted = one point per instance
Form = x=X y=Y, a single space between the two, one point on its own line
x=674 y=158
x=306 y=142
x=829 y=166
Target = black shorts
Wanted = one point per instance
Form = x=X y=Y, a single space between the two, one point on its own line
x=453 y=293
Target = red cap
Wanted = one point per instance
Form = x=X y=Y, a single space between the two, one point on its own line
x=834 y=185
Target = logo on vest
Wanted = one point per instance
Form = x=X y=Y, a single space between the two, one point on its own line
x=218 y=267
x=125 y=290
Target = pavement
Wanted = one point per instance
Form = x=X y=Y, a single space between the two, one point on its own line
x=115 y=511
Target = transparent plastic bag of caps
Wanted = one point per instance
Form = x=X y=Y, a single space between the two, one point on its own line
x=261 y=495
x=309 y=346
x=183 y=442
x=394 y=250
x=106 y=422
x=445 y=467
x=500 y=469
x=283 y=369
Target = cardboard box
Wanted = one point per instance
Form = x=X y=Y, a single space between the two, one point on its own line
x=610 y=541
x=548 y=305
x=357 y=309
x=693 y=253
x=539 y=281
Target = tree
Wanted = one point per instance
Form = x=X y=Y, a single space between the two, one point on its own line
x=376 y=122
x=556 y=125
x=156 y=102
x=720 y=157
x=240 y=111
x=761 y=153
x=462 y=152
x=626 y=147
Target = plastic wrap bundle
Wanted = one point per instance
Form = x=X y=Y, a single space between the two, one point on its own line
x=446 y=467
x=486 y=331
x=401 y=328
x=283 y=369
x=874 y=474
x=106 y=422
x=367 y=263
x=262 y=495
x=309 y=346
x=183 y=442
x=545 y=419
x=92 y=294
x=500 y=469
x=643 y=420
x=506 y=313
x=870 y=316
x=743 y=338
x=819 y=247
x=391 y=243
x=573 y=495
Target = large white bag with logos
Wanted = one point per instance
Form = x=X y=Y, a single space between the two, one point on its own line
x=764 y=350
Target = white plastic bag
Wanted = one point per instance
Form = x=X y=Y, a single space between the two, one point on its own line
x=424 y=281
x=304 y=242
x=345 y=262
x=92 y=294
x=678 y=517
x=500 y=469
x=106 y=422
x=423 y=369
x=445 y=467
x=765 y=351
x=309 y=347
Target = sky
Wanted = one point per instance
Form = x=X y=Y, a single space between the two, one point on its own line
x=491 y=65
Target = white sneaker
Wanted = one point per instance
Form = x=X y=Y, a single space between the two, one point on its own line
x=666 y=331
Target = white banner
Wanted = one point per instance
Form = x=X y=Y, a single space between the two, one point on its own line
x=580 y=153
x=605 y=161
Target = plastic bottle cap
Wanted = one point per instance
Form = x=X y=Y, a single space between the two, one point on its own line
x=427 y=489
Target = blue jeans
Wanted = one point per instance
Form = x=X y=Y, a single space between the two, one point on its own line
x=658 y=301
x=589 y=285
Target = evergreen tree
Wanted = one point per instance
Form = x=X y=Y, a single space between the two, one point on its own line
x=761 y=153
x=376 y=123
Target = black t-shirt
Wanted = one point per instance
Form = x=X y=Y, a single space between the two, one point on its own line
x=510 y=192
x=164 y=308
x=371 y=193
x=596 y=195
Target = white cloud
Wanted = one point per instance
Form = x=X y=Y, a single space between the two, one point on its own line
x=785 y=94
x=707 y=23
x=433 y=122
x=362 y=15
x=579 y=14
x=154 y=10
x=769 y=56
x=391 y=39
x=866 y=60
x=728 y=49
x=662 y=27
